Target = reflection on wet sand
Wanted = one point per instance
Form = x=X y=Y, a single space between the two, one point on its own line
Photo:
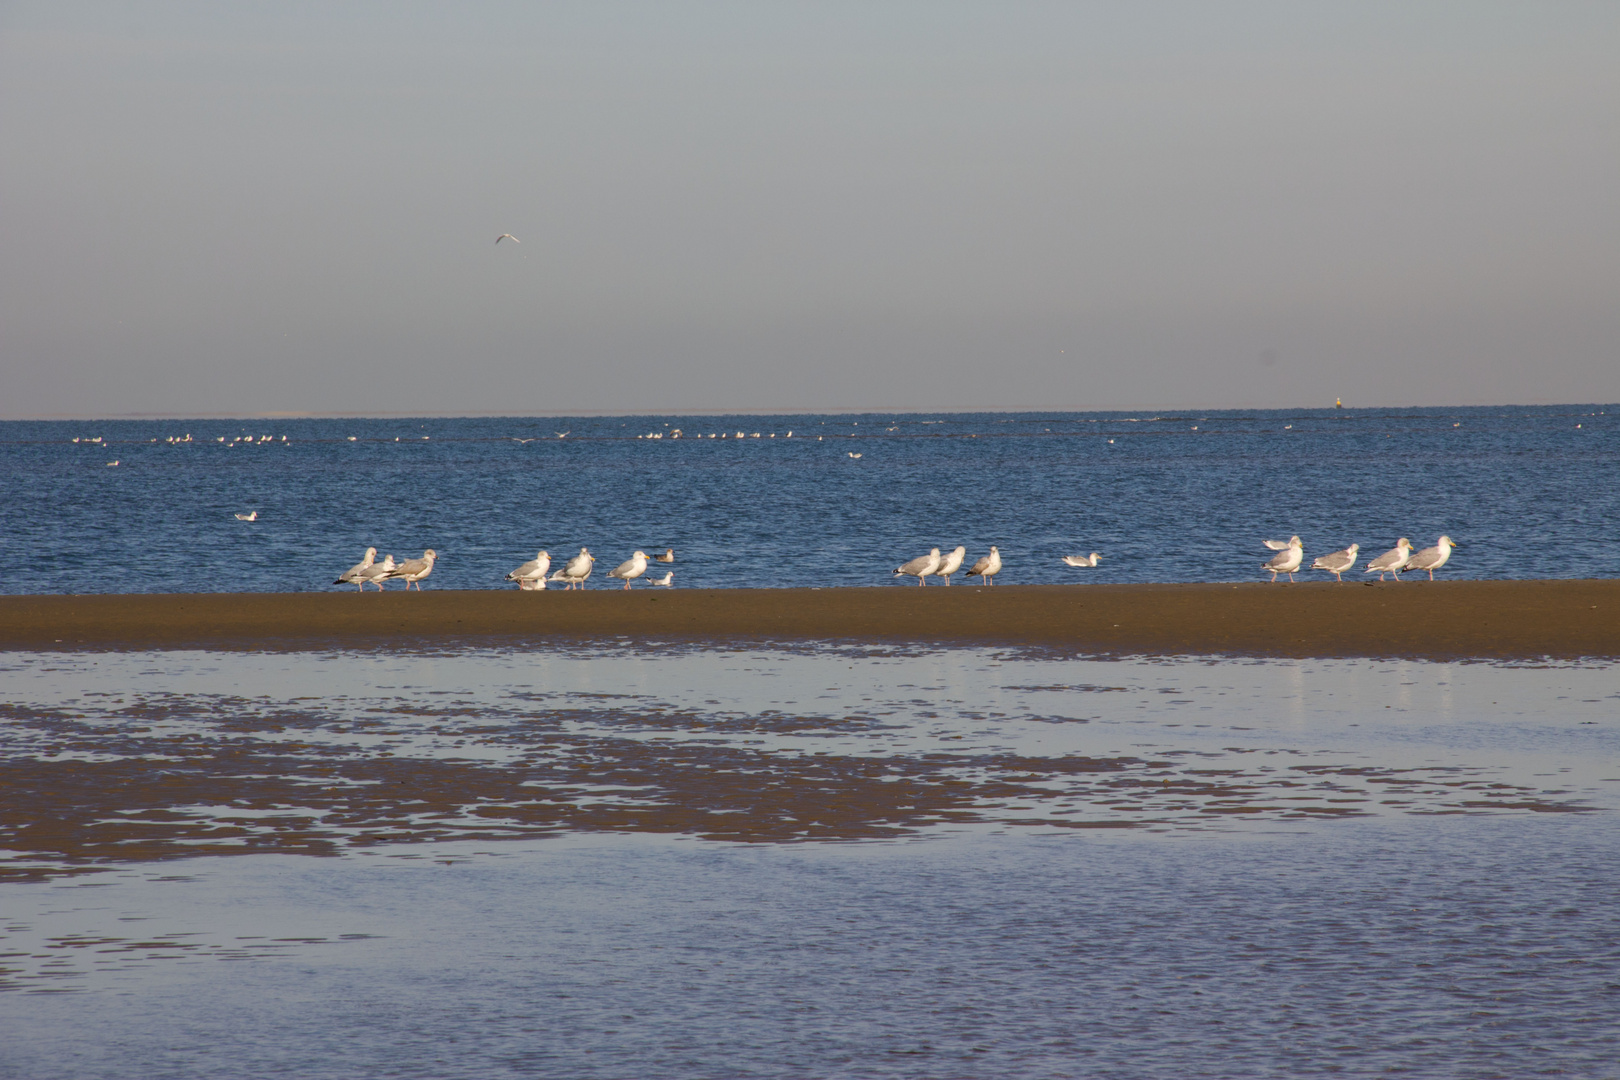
x=139 y=773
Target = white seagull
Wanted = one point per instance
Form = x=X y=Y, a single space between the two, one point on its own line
x=921 y=566
x=352 y=576
x=577 y=569
x=1081 y=560
x=414 y=570
x=1338 y=562
x=1280 y=545
x=506 y=236
x=532 y=574
x=951 y=563
x=1287 y=561
x=377 y=573
x=248 y=517
x=1432 y=559
x=633 y=568
x=666 y=581
x=987 y=567
x=667 y=556
x=1392 y=561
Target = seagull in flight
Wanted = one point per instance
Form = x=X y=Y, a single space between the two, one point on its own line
x=507 y=236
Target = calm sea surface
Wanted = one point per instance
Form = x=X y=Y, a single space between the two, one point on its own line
x=1527 y=492
x=686 y=862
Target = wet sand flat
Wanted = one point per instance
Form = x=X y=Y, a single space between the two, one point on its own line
x=1489 y=619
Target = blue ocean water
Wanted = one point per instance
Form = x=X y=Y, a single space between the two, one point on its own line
x=1528 y=492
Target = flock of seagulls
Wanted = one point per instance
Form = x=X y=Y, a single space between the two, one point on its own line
x=1291 y=553
x=934 y=564
x=368 y=571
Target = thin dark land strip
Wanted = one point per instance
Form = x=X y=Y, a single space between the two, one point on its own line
x=1563 y=619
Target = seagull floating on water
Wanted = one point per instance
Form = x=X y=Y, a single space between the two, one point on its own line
x=254 y=516
x=667 y=556
x=1338 y=562
x=353 y=575
x=854 y=455
x=921 y=566
x=1392 y=561
x=634 y=567
x=1287 y=561
x=531 y=576
x=666 y=581
x=1433 y=558
x=1081 y=560
x=987 y=567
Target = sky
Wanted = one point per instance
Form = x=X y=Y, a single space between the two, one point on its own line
x=244 y=209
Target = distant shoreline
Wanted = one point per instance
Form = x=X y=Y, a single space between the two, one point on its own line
x=1560 y=619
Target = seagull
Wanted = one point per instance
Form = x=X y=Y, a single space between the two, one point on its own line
x=951 y=563
x=1432 y=559
x=565 y=434
x=987 y=567
x=1338 y=562
x=1392 y=561
x=532 y=574
x=1280 y=545
x=577 y=570
x=248 y=517
x=1081 y=560
x=666 y=581
x=414 y=570
x=921 y=566
x=507 y=236
x=1287 y=561
x=667 y=556
x=854 y=455
x=376 y=573
x=352 y=576
x=633 y=568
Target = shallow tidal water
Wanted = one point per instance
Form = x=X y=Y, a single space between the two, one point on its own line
x=690 y=862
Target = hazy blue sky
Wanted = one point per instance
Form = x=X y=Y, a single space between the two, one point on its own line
x=244 y=208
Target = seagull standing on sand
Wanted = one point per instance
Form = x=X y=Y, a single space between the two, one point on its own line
x=377 y=573
x=921 y=566
x=987 y=567
x=1392 y=561
x=1287 y=561
x=634 y=568
x=352 y=576
x=414 y=570
x=532 y=574
x=951 y=563
x=1081 y=560
x=506 y=236
x=667 y=556
x=1432 y=559
x=577 y=569
x=1338 y=562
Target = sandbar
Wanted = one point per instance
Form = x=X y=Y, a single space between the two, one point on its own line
x=1559 y=619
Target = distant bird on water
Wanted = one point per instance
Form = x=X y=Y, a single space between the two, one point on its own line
x=632 y=568
x=1287 y=561
x=921 y=566
x=506 y=236
x=1392 y=561
x=354 y=574
x=951 y=563
x=987 y=567
x=1338 y=562
x=531 y=576
x=1081 y=560
x=1433 y=558
x=414 y=570
x=667 y=556
x=666 y=581
x=254 y=516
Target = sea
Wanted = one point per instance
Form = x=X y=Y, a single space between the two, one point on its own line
x=802 y=500
x=692 y=860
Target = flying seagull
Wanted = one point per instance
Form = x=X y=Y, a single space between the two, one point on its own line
x=507 y=236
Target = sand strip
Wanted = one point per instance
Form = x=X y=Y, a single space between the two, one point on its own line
x=1495 y=619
